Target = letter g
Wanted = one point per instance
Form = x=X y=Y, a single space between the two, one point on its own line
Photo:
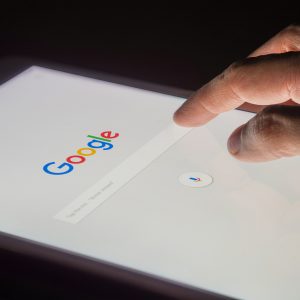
x=68 y=168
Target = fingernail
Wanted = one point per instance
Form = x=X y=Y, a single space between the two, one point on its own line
x=234 y=141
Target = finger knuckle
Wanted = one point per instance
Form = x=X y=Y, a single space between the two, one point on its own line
x=293 y=79
x=234 y=71
x=236 y=66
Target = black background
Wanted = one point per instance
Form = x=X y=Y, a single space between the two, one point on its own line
x=181 y=46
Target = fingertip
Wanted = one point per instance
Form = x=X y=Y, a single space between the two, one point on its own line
x=245 y=147
x=181 y=119
x=234 y=141
x=187 y=117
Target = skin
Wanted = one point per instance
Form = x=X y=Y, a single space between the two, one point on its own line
x=268 y=82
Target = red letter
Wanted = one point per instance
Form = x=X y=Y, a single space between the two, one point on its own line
x=108 y=135
x=78 y=159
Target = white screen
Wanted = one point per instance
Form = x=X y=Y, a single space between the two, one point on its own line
x=238 y=236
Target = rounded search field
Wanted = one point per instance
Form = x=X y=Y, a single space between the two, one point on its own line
x=195 y=179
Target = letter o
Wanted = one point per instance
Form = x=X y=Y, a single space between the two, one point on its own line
x=70 y=159
x=81 y=151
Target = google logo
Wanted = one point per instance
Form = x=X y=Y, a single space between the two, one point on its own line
x=103 y=142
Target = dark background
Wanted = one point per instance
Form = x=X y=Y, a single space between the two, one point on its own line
x=179 y=46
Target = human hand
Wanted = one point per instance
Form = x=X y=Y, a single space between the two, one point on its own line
x=270 y=78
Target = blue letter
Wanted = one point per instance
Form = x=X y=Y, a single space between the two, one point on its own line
x=99 y=144
x=69 y=166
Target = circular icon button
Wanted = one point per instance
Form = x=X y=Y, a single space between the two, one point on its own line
x=195 y=179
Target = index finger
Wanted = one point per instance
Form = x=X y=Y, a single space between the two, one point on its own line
x=263 y=80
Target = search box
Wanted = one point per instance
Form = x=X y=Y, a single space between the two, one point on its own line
x=119 y=176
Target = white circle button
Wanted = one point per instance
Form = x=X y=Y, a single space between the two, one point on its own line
x=195 y=179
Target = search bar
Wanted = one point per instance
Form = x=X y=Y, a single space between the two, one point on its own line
x=89 y=200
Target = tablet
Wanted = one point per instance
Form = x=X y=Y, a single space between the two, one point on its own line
x=99 y=170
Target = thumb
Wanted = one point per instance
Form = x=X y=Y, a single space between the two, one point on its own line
x=273 y=133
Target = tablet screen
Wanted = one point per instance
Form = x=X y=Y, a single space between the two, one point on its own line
x=100 y=169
